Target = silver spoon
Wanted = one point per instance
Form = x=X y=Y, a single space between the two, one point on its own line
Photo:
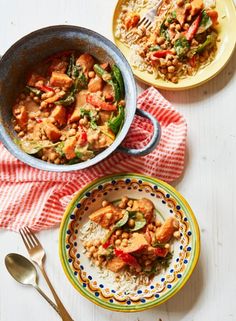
x=24 y=272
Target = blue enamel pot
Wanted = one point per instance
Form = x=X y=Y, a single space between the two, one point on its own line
x=36 y=46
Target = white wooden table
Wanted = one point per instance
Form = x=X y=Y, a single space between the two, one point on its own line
x=208 y=183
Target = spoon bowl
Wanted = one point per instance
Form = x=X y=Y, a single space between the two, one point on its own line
x=21 y=269
x=24 y=272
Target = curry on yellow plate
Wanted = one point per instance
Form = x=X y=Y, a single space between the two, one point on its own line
x=188 y=43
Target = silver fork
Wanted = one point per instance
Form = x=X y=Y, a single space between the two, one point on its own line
x=146 y=21
x=37 y=255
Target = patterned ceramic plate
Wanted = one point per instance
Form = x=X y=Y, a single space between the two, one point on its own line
x=227 y=27
x=89 y=280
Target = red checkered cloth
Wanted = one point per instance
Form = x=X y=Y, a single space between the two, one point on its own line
x=35 y=198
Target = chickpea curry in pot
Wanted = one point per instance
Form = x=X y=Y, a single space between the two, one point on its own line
x=71 y=108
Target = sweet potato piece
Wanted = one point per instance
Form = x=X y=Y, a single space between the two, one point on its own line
x=95 y=84
x=59 y=79
x=104 y=116
x=21 y=115
x=106 y=216
x=180 y=14
x=108 y=92
x=86 y=61
x=145 y=206
x=79 y=103
x=136 y=243
x=165 y=232
x=213 y=14
x=69 y=147
x=51 y=131
x=115 y=264
x=59 y=114
x=197 y=5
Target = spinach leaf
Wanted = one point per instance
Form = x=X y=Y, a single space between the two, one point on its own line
x=181 y=46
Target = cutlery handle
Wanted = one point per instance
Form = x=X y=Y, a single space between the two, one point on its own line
x=47 y=298
x=62 y=310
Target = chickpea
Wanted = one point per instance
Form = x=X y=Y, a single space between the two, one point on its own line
x=171 y=69
x=130 y=203
x=163 y=70
x=97 y=263
x=176 y=234
x=189 y=17
x=83 y=121
x=21 y=134
x=105 y=203
x=91 y=74
x=53 y=156
x=175 y=62
x=131 y=223
x=186 y=26
x=44 y=137
x=92 y=249
x=17 y=128
x=160 y=40
x=95 y=255
x=166 y=23
x=125 y=235
x=162 y=62
x=147 y=262
x=172 y=26
x=169 y=63
x=108 y=216
x=46 y=114
x=102 y=140
x=150 y=227
x=157 y=223
x=123 y=202
x=44 y=157
x=178 y=27
x=89 y=244
x=188 y=6
x=72 y=132
x=57 y=161
x=167 y=246
x=43 y=104
x=36 y=99
x=118 y=242
x=88 y=254
x=122 y=103
x=118 y=233
x=124 y=242
x=180 y=3
x=74 y=126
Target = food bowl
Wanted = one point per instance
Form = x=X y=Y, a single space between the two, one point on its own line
x=40 y=44
x=100 y=288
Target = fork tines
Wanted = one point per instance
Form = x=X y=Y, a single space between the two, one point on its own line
x=29 y=238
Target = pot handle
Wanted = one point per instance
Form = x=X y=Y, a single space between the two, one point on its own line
x=153 y=142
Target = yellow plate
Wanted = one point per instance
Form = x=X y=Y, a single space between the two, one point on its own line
x=227 y=35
